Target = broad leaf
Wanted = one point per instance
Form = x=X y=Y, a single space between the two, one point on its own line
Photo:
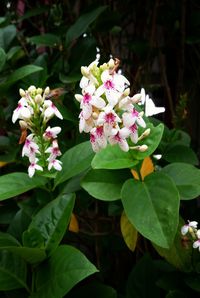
x=152 y=207
x=179 y=254
x=93 y=289
x=112 y=157
x=63 y=270
x=129 y=232
x=186 y=177
x=105 y=184
x=181 y=153
x=7 y=34
x=12 y=271
x=75 y=160
x=81 y=25
x=51 y=222
x=47 y=39
x=17 y=183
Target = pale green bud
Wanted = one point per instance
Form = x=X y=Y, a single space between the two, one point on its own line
x=22 y=92
x=31 y=89
x=38 y=99
x=46 y=91
x=39 y=90
x=111 y=63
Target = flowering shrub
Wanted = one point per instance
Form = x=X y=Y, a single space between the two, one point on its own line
x=41 y=147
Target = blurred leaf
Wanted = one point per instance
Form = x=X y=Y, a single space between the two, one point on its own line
x=180 y=153
x=17 y=183
x=70 y=78
x=20 y=73
x=176 y=294
x=47 y=39
x=129 y=233
x=179 y=254
x=186 y=177
x=18 y=224
x=67 y=115
x=33 y=12
x=15 y=53
x=75 y=160
x=74 y=225
x=152 y=207
x=112 y=157
x=81 y=25
x=12 y=271
x=93 y=289
x=63 y=270
x=51 y=222
x=104 y=184
x=29 y=254
x=193 y=281
x=2 y=58
x=7 y=34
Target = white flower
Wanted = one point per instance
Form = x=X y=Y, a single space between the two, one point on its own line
x=22 y=111
x=109 y=119
x=151 y=109
x=85 y=125
x=51 y=133
x=119 y=139
x=33 y=166
x=196 y=244
x=50 y=110
x=191 y=224
x=30 y=147
x=97 y=138
x=53 y=150
x=56 y=164
x=113 y=87
x=133 y=117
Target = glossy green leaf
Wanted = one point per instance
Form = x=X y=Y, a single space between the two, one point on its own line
x=186 y=177
x=152 y=206
x=12 y=271
x=104 y=184
x=17 y=183
x=47 y=39
x=51 y=222
x=181 y=153
x=7 y=34
x=64 y=269
x=152 y=141
x=179 y=254
x=75 y=160
x=112 y=157
x=2 y=58
x=82 y=23
x=21 y=73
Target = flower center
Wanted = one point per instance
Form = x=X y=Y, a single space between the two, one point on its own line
x=110 y=118
x=92 y=138
x=135 y=113
x=133 y=128
x=109 y=84
x=86 y=98
x=99 y=131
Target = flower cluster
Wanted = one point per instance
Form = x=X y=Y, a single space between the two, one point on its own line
x=34 y=110
x=191 y=229
x=108 y=112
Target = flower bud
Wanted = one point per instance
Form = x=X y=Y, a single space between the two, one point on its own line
x=31 y=89
x=23 y=124
x=111 y=63
x=46 y=91
x=143 y=148
x=136 y=98
x=38 y=99
x=39 y=90
x=126 y=92
x=103 y=66
x=78 y=97
x=145 y=134
x=85 y=71
x=22 y=92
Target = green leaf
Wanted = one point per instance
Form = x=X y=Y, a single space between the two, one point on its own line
x=7 y=240
x=17 y=183
x=152 y=141
x=7 y=34
x=152 y=206
x=2 y=58
x=51 y=222
x=64 y=269
x=104 y=184
x=21 y=73
x=193 y=281
x=12 y=271
x=178 y=255
x=47 y=39
x=181 y=153
x=142 y=280
x=112 y=157
x=70 y=78
x=93 y=289
x=75 y=160
x=81 y=25
x=186 y=177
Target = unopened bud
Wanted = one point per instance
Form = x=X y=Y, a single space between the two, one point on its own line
x=85 y=71
x=46 y=91
x=136 y=98
x=22 y=92
x=95 y=115
x=31 y=89
x=111 y=63
x=78 y=97
x=103 y=66
x=126 y=92
x=38 y=98
x=141 y=114
x=145 y=134
x=23 y=124
x=143 y=148
x=39 y=90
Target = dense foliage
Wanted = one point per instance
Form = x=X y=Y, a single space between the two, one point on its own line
x=105 y=224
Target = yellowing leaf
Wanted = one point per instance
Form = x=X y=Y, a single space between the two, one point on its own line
x=147 y=167
x=3 y=163
x=73 y=225
x=129 y=232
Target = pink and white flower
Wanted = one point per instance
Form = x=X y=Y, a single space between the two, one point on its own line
x=22 y=111
x=133 y=117
x=186 y=227
x=30 y=148
x=97 y=138
x=56 y=164
x=50 y=110
x=109 y=119
x=53 y=150
x=33 y=167
x=120 y=139
x=51 y=133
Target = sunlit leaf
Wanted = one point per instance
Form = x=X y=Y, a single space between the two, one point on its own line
x=129 y=232
x=74 y=225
